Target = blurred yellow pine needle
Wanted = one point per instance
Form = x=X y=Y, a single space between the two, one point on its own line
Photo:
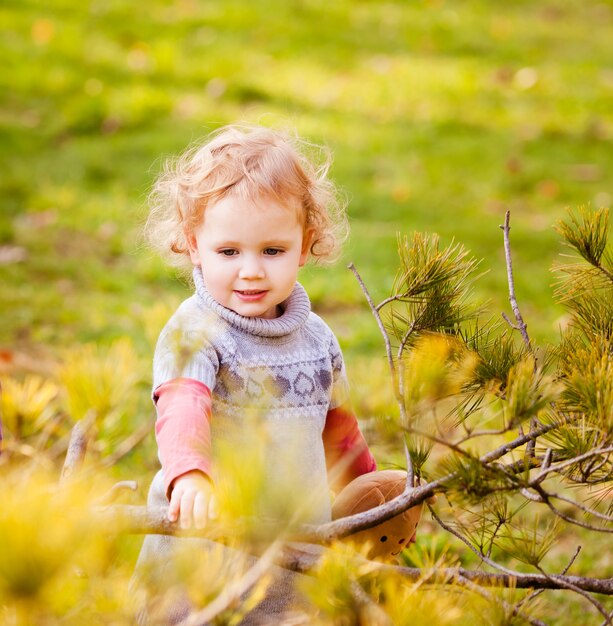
x=26 y=405
x=501 y=605
x=435 y=369
x=240 y=486
x=527 y=393
x=372 y=392
x=329 y=586
x=42 y=530
x=155 y=317
x=248 y=488
x=57 y=564
x=99 y=379
x=333 y=591
x=201 y=580
x=423 y=606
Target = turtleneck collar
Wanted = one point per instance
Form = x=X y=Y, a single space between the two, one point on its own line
x=296 y=310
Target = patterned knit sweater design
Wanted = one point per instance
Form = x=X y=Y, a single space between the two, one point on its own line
x=272 y=384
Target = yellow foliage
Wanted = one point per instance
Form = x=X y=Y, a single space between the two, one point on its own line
x=99 y=379
x=26 y=405
x=372 y=392
x=527 y=393
x=155 y=317
x=40 y=532
x=58 y=565
x=247 y=487
x=200 y=580
x=435 y=369
x=349 y=591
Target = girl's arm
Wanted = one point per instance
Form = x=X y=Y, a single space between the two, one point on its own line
x=182 y=428
x=347 y=453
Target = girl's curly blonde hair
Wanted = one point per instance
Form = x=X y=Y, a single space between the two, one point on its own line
x=248 y=162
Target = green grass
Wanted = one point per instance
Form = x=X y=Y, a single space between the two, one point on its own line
x=441 y=116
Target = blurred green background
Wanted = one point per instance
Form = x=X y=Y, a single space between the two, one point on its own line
x=441 y=116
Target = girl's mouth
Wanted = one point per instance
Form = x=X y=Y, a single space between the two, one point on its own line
x=250 y=295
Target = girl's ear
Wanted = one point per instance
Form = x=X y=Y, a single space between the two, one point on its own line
x=192 y=246
x=307 y=241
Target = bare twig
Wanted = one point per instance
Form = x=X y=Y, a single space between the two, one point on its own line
x=568 y=585
x=499 y=452
x=375 y=312
x=111 y=495
x=544 y=465
x=77 y=447
x=579 y=505
x=567 y=518
x=140 y=520
x=608 y=619
x=521 y=326
x=397 y=380
x=538 y=592
x=482 y=433
x=127 y=445
x=569 y=462
x=472 y=548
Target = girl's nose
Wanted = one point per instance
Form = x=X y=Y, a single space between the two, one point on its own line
x=250 y=269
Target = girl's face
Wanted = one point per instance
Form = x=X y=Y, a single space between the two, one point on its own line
x=250 y=253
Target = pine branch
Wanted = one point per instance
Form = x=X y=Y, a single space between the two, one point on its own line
x=588 y=237
x=303 y=561
x=570 y=462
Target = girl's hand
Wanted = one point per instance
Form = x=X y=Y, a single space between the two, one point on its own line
x=192 y=500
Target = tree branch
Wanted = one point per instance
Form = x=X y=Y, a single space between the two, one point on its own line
x=577 y=459
x=298 y=560
x=375 y=312
x=77 y=447
x=568 y=585
x=521 y=326
x=565 y=517
x=141 y=520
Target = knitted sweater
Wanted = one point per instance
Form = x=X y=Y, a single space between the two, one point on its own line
x=278 y=384
x=275 y=387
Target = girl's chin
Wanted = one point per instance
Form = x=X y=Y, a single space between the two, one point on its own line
x=253 y=310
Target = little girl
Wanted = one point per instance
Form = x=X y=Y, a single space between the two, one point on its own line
x=247 y=210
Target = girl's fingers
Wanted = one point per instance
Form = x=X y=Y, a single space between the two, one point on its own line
x=187 y=509
x=200 y=510
x=212 y=508
x=173 y=507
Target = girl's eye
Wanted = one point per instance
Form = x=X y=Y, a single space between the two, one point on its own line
x=228 y=252
x=272 y=251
